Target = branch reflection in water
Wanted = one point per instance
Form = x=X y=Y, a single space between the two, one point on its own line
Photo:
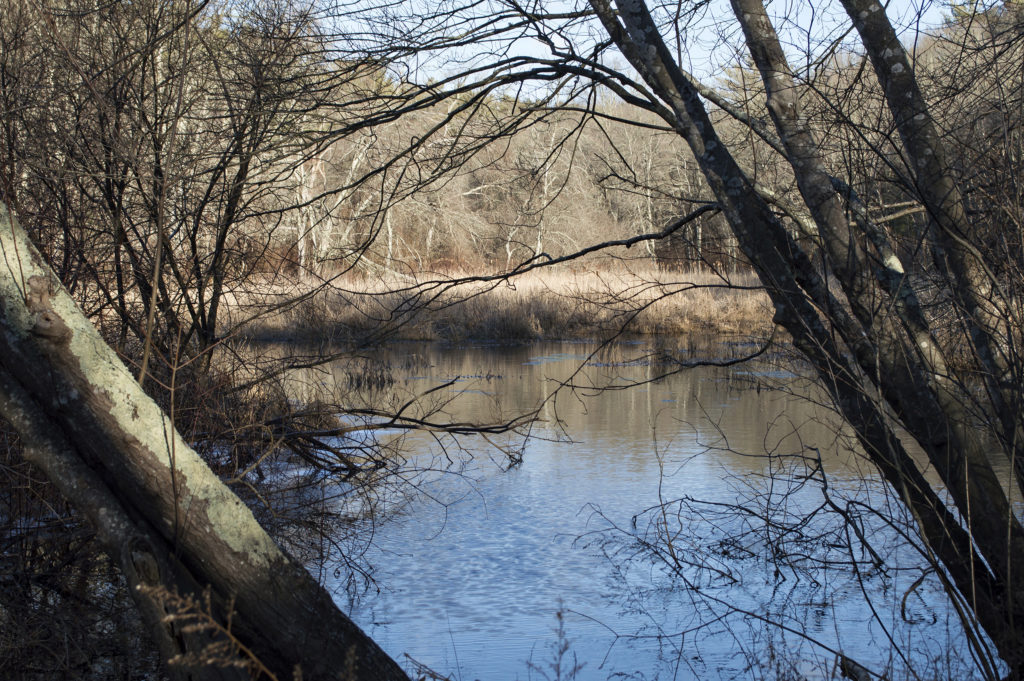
x=682 y=522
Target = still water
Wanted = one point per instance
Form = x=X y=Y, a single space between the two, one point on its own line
x=481 y=564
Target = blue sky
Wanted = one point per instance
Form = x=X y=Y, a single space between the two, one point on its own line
x=712 y=38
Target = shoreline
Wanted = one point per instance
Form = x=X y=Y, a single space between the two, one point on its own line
x=552 y=306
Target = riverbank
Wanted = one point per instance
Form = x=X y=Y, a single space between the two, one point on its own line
x=559 y=305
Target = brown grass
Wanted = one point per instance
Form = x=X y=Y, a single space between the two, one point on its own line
x=557 y=304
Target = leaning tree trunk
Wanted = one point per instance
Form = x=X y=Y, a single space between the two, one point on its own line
x=177 y=531
x=874 y=368
x=899 y=354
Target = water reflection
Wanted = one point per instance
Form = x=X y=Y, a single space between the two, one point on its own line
x=476 y=568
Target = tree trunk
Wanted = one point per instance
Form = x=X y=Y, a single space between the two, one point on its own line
x=117 y=457
x=873 y=365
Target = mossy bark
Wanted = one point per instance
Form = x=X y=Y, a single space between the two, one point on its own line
x=132 y=476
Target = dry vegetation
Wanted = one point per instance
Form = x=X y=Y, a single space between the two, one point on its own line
x=558 y=304
x=273 y=190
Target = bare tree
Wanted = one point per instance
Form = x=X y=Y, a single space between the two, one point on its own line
x=842 y=287
x=892 y=259
x=177 y=532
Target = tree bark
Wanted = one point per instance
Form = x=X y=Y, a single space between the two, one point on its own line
x=983 y=305
x=903 y=359
x=132 y=476
x=860 y=353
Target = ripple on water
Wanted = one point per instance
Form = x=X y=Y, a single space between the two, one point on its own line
x=472 y=587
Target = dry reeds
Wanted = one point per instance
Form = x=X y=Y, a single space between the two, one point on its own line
x=552 y=304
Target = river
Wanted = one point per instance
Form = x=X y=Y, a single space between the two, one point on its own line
x=489 y=569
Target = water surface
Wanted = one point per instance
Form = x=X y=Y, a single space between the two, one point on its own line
x=481 y=567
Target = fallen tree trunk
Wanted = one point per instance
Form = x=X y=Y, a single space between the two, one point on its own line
x=178 y=532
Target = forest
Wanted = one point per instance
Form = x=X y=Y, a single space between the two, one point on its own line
x=200 y=198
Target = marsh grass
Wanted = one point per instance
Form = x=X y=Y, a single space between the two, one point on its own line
x=549 y=305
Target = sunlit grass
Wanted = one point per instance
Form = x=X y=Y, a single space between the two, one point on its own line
x=546 y=304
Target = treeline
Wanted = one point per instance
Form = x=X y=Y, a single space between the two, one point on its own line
x=187 y=168
x=225 y=146
x=485 y=182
